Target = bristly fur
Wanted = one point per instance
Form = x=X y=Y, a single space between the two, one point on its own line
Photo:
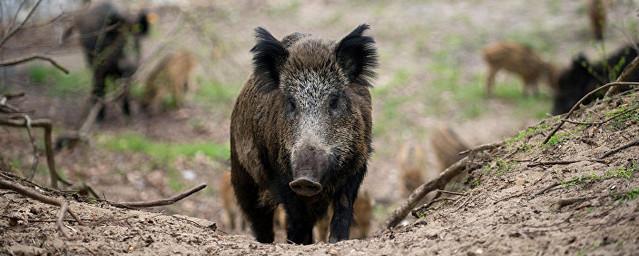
x=357 y=56
x=269 y=54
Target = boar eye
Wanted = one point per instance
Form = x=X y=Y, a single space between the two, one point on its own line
x=333 y=103
x=290 y=105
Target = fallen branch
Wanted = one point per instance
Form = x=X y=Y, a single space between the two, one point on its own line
x=622 y=147
x=631 y=69
x=547 y=188
x=161 y=202
x=576 y=106
x=568 y=201
x=60 y=222
x=35 y=57
x=400 y=213
x=480 y=148
x=561 y=162
x=5 y=184
x=45 y=124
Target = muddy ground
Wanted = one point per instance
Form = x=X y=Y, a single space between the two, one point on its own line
x=431 y=74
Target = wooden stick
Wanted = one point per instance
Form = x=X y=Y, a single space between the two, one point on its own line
x=400 y=213
x=567 y=162
x=60 y=221
x=34 y=57
x=625 y=75
x=161 y=202
x=13 y=32
x=45 y=124
x=622 y=147
x=22 y=190
x=576 y=106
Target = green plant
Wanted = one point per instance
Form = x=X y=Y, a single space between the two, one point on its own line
x=163 y=151
x=628 y=196
x=61 y=84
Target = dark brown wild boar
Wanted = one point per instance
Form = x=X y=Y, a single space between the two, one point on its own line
x=169 y=78
x=110 y=39
x=520 y=60
x=301 y=132
x=597 y=16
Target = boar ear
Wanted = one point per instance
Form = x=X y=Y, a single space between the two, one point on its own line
x=268 y=56
x=357 y=56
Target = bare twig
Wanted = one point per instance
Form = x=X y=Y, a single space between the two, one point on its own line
x=561 y=162
x=161 y=202
x=547 y=188
x=31 y=58
x=576 y=106
x=60 y=222
x=10 y=34
x=451 y=192
x=604 y=121
x=27 y=120
x=46 y=125
x=625 y=75
x=5 y=184
x=622 y=147
x=400 y=213
x=480 y=148
x=568 y=201
x=419 y=211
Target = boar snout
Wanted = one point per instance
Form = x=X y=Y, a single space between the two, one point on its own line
x=305 y=187
x=308 y=165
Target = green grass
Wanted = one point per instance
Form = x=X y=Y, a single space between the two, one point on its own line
x=58 y=83
x=499 y=167
x=628 y=196
x=530 y=131
x=212 y=92
x=162 y=151
x=621 y=172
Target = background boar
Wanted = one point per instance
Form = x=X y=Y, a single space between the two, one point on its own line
x=597 y=16
x=520 y=60
x=581 y=77
x=412 y=164
x=301 y=132
x=169 y=78
x=233 y=218
x=111 y=43
x=362 y=215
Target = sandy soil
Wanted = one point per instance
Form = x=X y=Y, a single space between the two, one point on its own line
x=510 y=209
x=414 y=38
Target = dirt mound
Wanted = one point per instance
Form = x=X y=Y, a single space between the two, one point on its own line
x=525 y=197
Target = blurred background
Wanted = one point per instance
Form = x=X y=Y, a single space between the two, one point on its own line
x=431 y=74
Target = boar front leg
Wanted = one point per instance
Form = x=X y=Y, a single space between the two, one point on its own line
x=343 y=205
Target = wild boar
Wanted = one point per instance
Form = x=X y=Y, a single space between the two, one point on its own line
x=362 y=216
x=170 y=78
x=520 y=60
x=582 y=76
x=597 y=16
x=301 y=132
x=110 y=39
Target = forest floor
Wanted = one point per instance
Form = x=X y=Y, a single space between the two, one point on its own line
x=520 y=201
x=430 y=74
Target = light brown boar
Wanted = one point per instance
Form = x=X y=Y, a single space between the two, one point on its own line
x=170 y=78
x=233 y=218
x=446 y=145
x=597 y=15
x=412 y=165
x=362 y=216
x=520 y=60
